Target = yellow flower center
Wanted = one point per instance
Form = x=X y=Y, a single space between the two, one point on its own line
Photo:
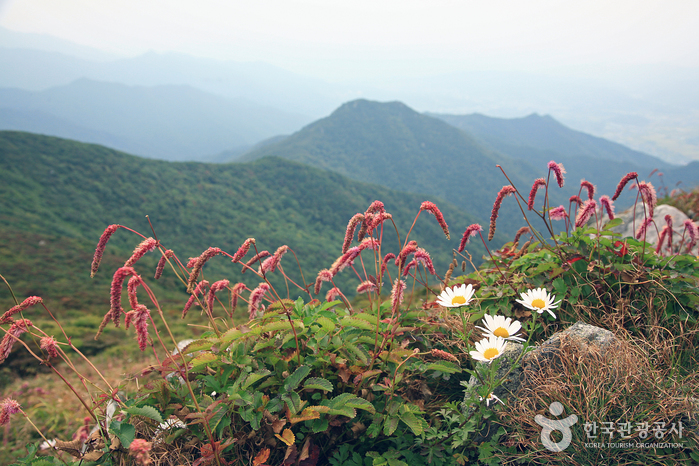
x=490 y=353
x=458 y=300
x=539 y=303
x=501 y=332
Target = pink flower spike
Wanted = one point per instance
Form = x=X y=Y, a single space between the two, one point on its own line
x=323 y=276
x=101 y=245
x=576 y=199
x=649 y=197
x=215 y=287
x=191 y=262
x=558 y=213
x=608 y=206
x=139 y=317
x=472 y=230
x=201 y=286
x=243 y=250
x=140 y=450
x=559 y=171
x=384 y=262
x=49 y=344
x=397 y=294
x=146 y=245
x=585 y=213
x=661 y=239
x=30 y=301
x=403 y=255
x=410 y=265
x=117 y=282
x=668 y=221
x=256 y=299
x=377 y=220
x=369 y=243
x=257 y=257
x=366 y=287
x=8 y=407
x=349 y=233
x=332 y=294
x=520 y=232
x=504 y=192
x=423 y=257
x=693 y=232
x=590 y=188
x=375 y=207
x=131 y=287
x=538 y=183
x=235 y=294
x=199 y=264
x=161 y=263
x=620 y=187
x=345 y=260
x=14 y=332
x=641 y=232
x=434 y=210
x=270 y=264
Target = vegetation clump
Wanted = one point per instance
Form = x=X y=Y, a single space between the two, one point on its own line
x=313 y=377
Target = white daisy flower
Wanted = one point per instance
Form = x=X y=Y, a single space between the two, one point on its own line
x=488 y=349
x=490 y=398
x=456 y=296
x=539 y=300
x=501 y=326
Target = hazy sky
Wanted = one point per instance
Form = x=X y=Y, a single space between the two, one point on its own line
x=358 y=38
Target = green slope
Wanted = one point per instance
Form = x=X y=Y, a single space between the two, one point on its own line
x=544 y=133
x=59 y=195
x=538 y=139
x=392 y=145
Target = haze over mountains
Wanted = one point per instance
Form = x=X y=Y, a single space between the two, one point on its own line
x=649 y=112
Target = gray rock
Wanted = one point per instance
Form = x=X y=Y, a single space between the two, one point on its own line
x=630 y=225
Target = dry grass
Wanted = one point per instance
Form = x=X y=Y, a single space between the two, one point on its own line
x=627 y=382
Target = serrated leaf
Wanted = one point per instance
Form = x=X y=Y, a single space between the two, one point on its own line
x=231 y=335
x=444 y=366
x=254 y=377
x=359 y=351
x=361 y=403
x=351 y=321
x=412 y=422
x=293 y=381
x=318 y=383
x=287 y=437
x=390 y=425
x=613 y=223
x=326 y=324
x=145 y=411
x=261 y=457
x=367 y=317
x=203 y=360
x=276 y=326
x=306 y=415
x=293 y=401
x=319 y=425
x=199 y=345
x=124 y=431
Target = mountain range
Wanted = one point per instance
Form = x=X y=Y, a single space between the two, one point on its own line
x=59 y=195
x=174 y=122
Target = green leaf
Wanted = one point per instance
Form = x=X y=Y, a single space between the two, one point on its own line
x=125 y=432
x=231 y=335
x=412 y=422
x=254 y=377
x=145 y=411
x=293 y=381
x=326 y=324
x=360 y=403
x=199 y=345
x=203 y=360
x=359 y=351
x=444 y=366
x=318 y=383
x=293 y=401
x=352 y=321
x=613 y=223
x=390 y=425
